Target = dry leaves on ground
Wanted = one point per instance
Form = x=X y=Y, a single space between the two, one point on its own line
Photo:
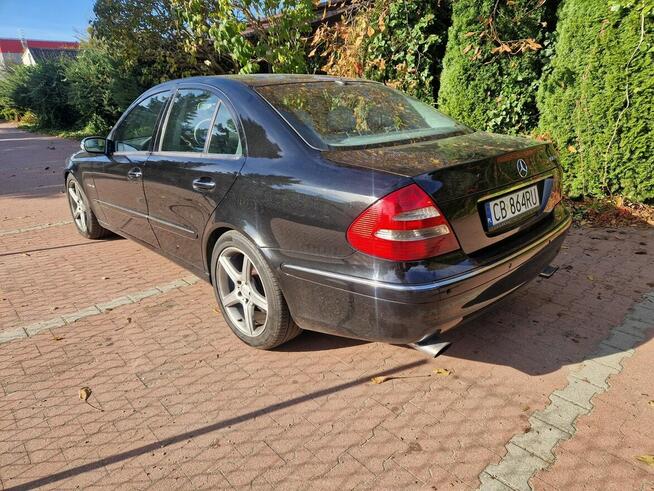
x=443 y=372
x=85 y=393
x=611 y=212
x=647 y=459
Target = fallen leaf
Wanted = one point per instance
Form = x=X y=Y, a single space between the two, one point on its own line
x=379 y=380
x=129 y=320
x=651 y=403
x=572 y=149
x=216 y=310
x=57 y=338
x=443 y=371
x=647 y=459
x=105 y=277
x=84 y=393
x=525 y=409
x=591 y=278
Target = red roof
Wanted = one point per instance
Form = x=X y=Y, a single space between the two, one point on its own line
x=8 y=45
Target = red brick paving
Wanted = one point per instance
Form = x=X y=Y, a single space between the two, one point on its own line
x=184 y=404
x=602 y=454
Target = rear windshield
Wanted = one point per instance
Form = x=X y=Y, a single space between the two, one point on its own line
x=353 y=114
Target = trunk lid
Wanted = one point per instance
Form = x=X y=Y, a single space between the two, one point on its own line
x=463 y=173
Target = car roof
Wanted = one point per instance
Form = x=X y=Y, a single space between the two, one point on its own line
x=255 y=80
x=260 y=79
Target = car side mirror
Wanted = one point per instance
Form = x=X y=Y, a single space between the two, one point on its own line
x=94 y=144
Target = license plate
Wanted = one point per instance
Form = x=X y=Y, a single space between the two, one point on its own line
x=510 y=207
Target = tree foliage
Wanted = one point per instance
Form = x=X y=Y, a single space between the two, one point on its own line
x=42 y=90
x=596 y=103
x=149 y=38
x=493 y=62
x=399 y=43
x=248 y=32
x=100 y=87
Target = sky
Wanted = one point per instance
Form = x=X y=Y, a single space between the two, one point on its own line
x=58 y=20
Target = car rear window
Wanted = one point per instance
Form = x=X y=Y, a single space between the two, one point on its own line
x=340 y=114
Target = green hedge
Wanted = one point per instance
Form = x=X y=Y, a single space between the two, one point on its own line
x=41 y=89
x=485 y=88
x=606 y=143
x=88 y=93
x=412 y=45
x=100 y=87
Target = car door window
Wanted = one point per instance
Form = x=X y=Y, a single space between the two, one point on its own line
x=224 y=134
x=189 y=121
x=135 y=131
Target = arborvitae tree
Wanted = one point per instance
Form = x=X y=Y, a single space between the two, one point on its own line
x=597 y=100
x=495 y=53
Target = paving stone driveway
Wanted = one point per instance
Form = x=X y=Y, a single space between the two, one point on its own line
x=179 y=402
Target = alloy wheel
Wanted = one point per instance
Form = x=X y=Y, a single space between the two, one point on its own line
x=77 y=205
x=241 y=292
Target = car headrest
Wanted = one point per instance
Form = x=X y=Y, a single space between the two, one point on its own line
x=341 y=120
x=378 y=118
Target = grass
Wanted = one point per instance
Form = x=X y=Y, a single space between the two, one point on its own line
x=75 y=134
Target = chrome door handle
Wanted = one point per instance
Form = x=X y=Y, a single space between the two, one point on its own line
x=204 y=184
x=134 y=173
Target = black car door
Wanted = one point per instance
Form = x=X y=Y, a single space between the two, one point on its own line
x=119 y=185
x=196 y=160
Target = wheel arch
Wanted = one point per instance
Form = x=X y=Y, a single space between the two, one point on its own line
x=210 y=243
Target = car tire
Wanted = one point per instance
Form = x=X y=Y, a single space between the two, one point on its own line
x=84 y=219
x=244 y=283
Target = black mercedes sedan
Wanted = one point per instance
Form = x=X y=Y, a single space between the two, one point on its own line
x=328 y=204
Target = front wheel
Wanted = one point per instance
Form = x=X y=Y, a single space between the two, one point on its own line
x=80 y=208
x=248 y=293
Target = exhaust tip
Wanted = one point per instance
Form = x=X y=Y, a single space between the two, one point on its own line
x=431 y=346
x=548 y=271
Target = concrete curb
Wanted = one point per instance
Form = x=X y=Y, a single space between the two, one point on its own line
x=35 y=227
x=530 y=452
x=67 y=319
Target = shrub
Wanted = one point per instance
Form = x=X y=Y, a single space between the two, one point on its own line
x=493 y=63
x=596 y=103
x=100 y=87
x=13 y=86
x=399 y=43
x=41 y=89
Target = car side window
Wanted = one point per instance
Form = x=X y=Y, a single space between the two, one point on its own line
x=189 y=121
x=224 y=135
x=135 y=131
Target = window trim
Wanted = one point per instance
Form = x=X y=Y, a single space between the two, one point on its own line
x=222 y=99
x=155 y=130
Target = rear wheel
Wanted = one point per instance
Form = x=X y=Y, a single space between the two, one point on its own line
x=80 y=208
x=248 y=294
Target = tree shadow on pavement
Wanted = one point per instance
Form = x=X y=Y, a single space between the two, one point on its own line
x=219 y=425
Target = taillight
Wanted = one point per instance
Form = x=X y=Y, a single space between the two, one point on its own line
x=405 y=225
x=555 y=192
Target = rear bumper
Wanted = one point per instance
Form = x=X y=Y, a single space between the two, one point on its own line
x=359 y=308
